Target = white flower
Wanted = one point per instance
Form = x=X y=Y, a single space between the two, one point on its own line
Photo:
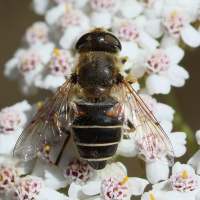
x=131 y=35
x=28 y=63
x=78 y=171
x=102 y=12
x=189 y=7
x=31 y=187
x=152 y=8
x=10 y=171
x=177 y=24
x=72 y=24
x=41 y=6
x=156 y=166
x=183 y=181
x=161 y=66
x=194 y=161
x=108 y=183
x=13 y=120
x=130 y=9
x=38 y=32
x=56 y=72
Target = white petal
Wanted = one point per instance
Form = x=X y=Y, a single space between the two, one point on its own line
x=138 y=68
x=167 y=126
x=20 y=52
x=95 y=198
x=130 y=9
x=46 y=52
x=22 y=106
x=178 y=137
x=190 y=36
x=100 y=19
x=136 y=86
x=164 y=112
x=54 y=178
x=26 y=88
x=8 y=141
x=112 y=169
x=80 y=3
x=177 y=75
x=39 y=169
x=168 y=41
x=175 y=53
x=147 y=42
x=11 y=70
x=198 y=137
x=40 y=6
x=163 y=186
x=180 y=167
x=75 y=191
x=179 y=150
x=50 y=82
x=156 y=84
x=127 y=148
x=49 y=194
x=141 y=20
x=70 y=36
x=92 y=188
x=138 y=185
x=154 y=28
x=157 y=171
x=53 y=14
x=129 y=49
x=194 y=161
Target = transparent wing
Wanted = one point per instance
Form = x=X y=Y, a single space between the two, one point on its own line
x=152 y=141
x=47 y=126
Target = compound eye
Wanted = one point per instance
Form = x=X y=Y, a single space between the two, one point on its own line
x=83 y=39
x=113 y=40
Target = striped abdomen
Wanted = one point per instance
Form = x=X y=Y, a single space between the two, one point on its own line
x=97 y=130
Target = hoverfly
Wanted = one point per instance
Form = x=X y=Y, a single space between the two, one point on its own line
x=97 y=106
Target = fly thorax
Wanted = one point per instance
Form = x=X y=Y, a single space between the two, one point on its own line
x=97 y=73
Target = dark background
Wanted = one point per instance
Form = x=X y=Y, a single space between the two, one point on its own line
x=16 y=16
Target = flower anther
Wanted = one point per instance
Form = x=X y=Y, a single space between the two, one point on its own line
x=10 y=120
x=37 y=32
x=103 y=5
x=184 y=181
x=61 y=63
x=8 y=177
x=116 y=187
x=29 y=62
x=152 y=197
x=78 y=171
x=157 y=62
x=43 y=154
x=39 y=106
x=129 y=31
x=28 y=188
x=124 y=181
x=175 y=22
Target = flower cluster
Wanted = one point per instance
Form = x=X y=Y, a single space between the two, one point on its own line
x=151 y=33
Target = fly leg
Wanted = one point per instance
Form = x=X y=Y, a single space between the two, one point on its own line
x=65 y=131
x=131 y=128
x=63 y=148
